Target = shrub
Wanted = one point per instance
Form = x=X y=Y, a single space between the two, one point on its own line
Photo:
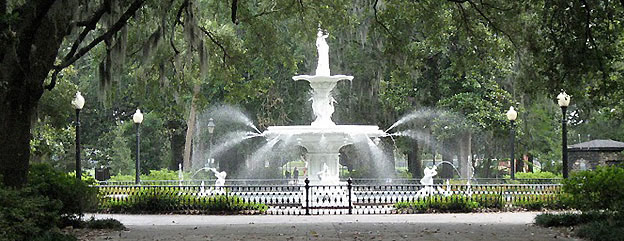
x=24 y=216
x=594 y=225
x=600 y=189
x=75 y=196
x=568 y=219
x=602 y=230
x=107 y=223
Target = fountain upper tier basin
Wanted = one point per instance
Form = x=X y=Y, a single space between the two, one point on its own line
x=323 y=138
x=322 y=78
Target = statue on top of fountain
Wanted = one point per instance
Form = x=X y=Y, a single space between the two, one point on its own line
x=323 y=53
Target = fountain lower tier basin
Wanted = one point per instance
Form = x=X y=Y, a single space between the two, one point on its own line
x=323 y=146
x=323 y=139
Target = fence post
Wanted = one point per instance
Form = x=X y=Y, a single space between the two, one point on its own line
x=349 y=187
x=307 y=194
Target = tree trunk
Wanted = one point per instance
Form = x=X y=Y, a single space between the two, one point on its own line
x=447 y=170
x=28 y=49
x=465 y=160
x=15 y=138
x=177 y=129
x=190 y=123
x=414 y=160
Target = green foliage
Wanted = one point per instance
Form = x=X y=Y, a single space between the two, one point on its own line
x=534 y=177
x=404 y=173
x=53 y=145
x=121 y=161
x=76 y=197
x=162 y=200
x=537 y=175
x=158 y=175
x=600 y=189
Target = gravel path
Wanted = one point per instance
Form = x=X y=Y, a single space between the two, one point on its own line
x=472 y=226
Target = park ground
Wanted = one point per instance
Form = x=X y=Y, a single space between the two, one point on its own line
x=506 y=226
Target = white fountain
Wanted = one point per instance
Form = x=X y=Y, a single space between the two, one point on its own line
x=323 y=138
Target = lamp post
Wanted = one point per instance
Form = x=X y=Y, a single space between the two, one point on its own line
x=78 y=102
x=211 y=127
x=137 y=118
x=563 y=100
x=511 y=116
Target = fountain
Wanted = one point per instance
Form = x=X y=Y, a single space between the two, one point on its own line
x=323 y=138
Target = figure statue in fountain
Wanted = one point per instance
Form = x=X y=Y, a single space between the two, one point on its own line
x=429 y=172
x=180 y=176
x=220 y=182
x=324 y=172
x=323 y=53
x=427 y=180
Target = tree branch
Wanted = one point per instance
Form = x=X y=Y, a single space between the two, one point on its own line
x=72 y=56
x=214 y=40
x=588 y=32
x=89 y=26
x=487 y=19
x=465 y=18
x=114 y=29
x=234 y=9
x=175 y=23
x=3 y=7
x=267 y=12
x=379 y=21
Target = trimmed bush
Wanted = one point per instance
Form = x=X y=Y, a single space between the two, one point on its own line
x=538 y=202
x=489 y=201
x=160 y=200
x=453 y=204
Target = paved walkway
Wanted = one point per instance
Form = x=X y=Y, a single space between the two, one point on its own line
x=471 y=226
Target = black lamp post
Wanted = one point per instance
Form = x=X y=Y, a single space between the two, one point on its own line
x=137 y=118
x=563 y=100
x=211 y=127
x=511 y=116
x=78 y=102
